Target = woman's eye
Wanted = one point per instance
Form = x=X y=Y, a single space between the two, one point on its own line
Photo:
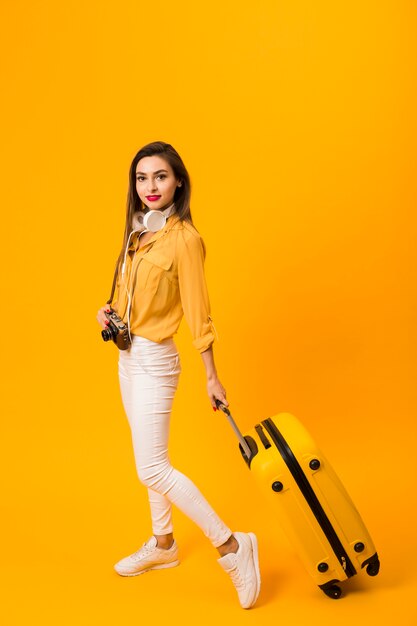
x=162 y=176
x=140 y=178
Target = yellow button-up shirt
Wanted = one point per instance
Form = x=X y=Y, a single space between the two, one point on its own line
x=167 y=281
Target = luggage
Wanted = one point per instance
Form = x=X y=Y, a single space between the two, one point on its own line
x=314 y=508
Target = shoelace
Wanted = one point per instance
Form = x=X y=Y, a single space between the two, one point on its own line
x=236 y=578
x=141 y=553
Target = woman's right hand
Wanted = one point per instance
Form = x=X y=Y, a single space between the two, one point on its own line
x=101 y=318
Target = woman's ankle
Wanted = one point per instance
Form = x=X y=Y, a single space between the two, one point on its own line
x=164 y=542
x=231 y=545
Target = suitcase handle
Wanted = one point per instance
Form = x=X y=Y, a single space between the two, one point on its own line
x=242 y=440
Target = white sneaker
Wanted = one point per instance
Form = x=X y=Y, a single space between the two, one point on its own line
x=148 y=557
x=243 y=568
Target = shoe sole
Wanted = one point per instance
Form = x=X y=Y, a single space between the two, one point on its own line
x=254 y=543
x=148 y=569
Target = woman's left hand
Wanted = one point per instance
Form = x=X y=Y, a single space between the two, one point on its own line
x=216 y=390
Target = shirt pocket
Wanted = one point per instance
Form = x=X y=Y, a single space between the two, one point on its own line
x=154 y=269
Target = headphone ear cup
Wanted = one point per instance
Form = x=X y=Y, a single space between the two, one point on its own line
x=137 y=220
x=154 y=220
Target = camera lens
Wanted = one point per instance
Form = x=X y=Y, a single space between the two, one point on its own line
x=106 y=334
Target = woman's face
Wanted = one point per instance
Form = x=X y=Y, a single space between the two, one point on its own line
x=155 y=182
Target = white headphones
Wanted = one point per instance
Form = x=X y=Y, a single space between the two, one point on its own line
x=151 y=220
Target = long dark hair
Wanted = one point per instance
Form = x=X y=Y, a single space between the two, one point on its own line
x=182 y=194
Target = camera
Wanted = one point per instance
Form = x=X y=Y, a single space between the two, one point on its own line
x=116 y=330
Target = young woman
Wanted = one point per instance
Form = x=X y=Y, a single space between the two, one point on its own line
x=159 y=278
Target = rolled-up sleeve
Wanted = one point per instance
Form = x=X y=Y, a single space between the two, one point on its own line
x=193 y=291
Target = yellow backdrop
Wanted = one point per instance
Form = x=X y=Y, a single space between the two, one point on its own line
x=297 y=123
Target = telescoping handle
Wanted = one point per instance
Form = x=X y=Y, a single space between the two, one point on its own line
x=235 y=427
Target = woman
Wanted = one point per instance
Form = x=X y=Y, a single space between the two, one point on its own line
x=159 y=278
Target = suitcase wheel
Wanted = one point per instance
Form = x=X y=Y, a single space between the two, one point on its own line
x=373 y=568
x=333 y=591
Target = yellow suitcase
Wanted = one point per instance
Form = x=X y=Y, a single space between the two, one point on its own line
x=314 y=509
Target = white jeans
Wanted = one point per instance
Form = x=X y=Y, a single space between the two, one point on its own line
x=148 y=375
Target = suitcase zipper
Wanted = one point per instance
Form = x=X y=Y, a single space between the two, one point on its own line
x=311 y=498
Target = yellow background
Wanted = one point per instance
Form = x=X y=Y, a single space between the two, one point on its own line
x=297 y=123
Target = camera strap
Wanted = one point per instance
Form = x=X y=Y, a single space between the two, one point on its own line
x=113 y=287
